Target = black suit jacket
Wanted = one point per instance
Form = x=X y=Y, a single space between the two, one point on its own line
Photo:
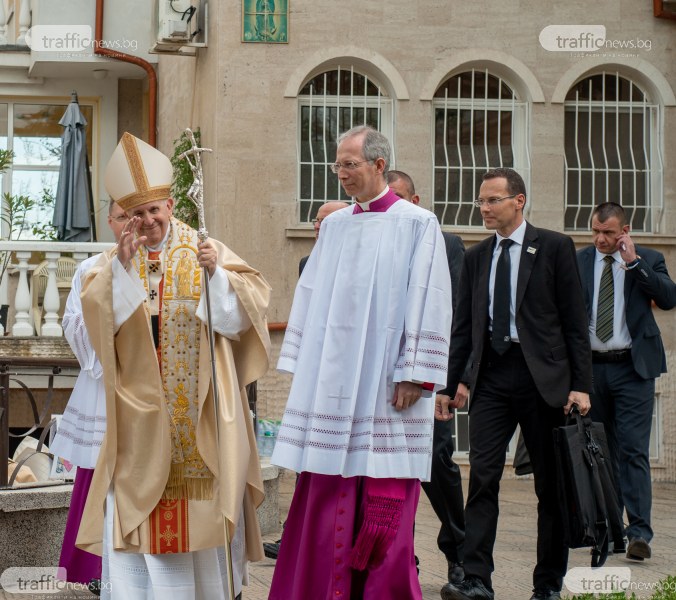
x=646 y=282
x=455 y=252
x=301 y=264
x=551 y=316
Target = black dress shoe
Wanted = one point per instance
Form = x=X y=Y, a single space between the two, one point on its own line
x=456 y=573
x=471 y=588
x=271 y=549
x=545 y=594
x=638 y=549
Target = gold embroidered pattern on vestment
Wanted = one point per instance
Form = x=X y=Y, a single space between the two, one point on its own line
x=180 y=330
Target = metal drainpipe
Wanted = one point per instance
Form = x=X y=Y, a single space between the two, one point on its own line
x=144 y=64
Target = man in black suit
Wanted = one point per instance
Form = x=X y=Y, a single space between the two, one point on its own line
x=444 y=489
x=521 y=316
x=627 y=356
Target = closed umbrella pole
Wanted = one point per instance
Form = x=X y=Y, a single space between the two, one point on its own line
x=74 y=217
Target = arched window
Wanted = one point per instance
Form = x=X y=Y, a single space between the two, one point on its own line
x=330 y=104
x=611 y=151
x=479 y=124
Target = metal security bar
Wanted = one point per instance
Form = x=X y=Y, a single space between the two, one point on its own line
x=612 y=152
x=11 y=368
x=330 y=104
x=479 y=124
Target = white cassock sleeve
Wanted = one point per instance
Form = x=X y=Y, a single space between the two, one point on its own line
x=74 y=329
x=424 y=354
x=228 y=316
x=128 y=293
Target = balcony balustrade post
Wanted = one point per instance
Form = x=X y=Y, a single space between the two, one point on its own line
x=23 y=323
x=52 y=302
x=24 y=21
x=3 y=23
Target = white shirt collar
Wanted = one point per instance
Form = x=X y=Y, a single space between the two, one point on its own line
x=616 y=255
x=365 y=205
x=517 y=235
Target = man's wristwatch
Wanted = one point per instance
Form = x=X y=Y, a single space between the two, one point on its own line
x=633 y=263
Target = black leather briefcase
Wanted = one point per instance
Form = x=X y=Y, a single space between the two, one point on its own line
x=587 y=492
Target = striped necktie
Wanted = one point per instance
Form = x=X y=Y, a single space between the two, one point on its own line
x=606 y=302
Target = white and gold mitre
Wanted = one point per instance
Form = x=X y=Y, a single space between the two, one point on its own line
x=137 y=173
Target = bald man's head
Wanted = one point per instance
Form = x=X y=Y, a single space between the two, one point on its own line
x=324 y=211
x=402 y=185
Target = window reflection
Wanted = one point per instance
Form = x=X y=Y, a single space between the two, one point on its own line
x=33 y=133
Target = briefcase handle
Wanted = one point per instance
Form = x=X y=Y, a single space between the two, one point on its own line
x=584 y=427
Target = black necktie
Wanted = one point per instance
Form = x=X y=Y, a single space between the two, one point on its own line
x=502 y=295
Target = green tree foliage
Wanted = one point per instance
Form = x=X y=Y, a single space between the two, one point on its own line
x=16 y=211
x=184 y=209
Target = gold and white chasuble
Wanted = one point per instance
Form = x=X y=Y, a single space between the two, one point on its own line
x=172 y=484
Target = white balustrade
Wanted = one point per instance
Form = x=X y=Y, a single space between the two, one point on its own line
x=3 y=23
x=23 y=324
x=51 y=304
x=24 y=21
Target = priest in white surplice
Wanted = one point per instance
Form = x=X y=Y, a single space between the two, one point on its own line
x=367 y=342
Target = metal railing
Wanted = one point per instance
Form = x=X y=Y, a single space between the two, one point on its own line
x=15 y=21
x=11 y=369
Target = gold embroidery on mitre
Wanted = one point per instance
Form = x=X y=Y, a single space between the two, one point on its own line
x=136 y=168
x=153 y=194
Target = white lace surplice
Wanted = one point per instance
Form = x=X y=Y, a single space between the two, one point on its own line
x=83 y=424
x=372 y=308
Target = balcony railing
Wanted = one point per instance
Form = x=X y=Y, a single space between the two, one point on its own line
x=16 y=287
x=15 y=21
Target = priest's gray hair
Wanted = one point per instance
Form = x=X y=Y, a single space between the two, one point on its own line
x=376 y=145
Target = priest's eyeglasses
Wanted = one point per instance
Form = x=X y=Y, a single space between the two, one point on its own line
x=479 y=202
x=350 y=165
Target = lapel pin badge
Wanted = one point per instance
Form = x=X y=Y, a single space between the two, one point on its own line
x=531 y=250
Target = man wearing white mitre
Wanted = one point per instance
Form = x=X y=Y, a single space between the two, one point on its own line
x=171 y=474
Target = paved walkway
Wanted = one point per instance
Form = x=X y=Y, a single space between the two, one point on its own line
x=514 y=552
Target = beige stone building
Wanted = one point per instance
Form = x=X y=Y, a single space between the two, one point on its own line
x=586 y=113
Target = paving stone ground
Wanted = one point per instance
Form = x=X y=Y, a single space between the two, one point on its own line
x=514 y=552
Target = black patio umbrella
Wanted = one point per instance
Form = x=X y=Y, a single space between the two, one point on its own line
x=74 y=204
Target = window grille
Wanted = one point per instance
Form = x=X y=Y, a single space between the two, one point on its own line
x=611 y=152
x=479 y=124
x=330 y=104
